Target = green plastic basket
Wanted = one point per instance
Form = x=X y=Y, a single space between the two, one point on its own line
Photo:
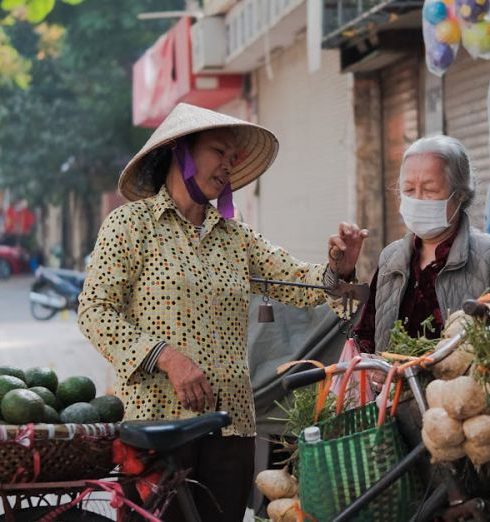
x=334 y=472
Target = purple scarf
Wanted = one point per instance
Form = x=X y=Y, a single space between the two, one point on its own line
x=188 y=171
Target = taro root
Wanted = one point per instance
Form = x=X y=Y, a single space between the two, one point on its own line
x=434 y=393
x=463 y=398
x=438 y=454
x=276 y=483
x=441 y=429
x=282 y=510
x=477 y=430
x=456 y=323
x=455 y=364
x=478 y=454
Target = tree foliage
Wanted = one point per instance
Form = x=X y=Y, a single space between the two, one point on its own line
x=71 y=130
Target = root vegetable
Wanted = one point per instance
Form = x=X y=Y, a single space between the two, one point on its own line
x=441 y=429
x=478 y=454
x=455 y=364
x=456 y=323
x=434 y=393
x=477 y=430
x=276 y=483
x=438 y=454
x=463 y=398
x=282 y=510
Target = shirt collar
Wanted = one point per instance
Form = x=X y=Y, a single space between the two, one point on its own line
x=442 y=249
x=163 y=202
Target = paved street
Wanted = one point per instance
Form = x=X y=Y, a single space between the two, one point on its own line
x=56 y=343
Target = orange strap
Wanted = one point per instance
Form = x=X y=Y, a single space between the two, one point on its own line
x=363 y=384
x=323 y=391
x=343 y=383
x=301 y=516
x=385 y=394
x=421 y=361
x=396 y=398
x=285 y=366
x=485 y=298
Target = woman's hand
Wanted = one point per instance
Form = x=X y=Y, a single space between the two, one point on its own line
x=344 y=248
x=187 y=378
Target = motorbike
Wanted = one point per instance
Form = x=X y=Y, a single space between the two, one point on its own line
x=54 y=290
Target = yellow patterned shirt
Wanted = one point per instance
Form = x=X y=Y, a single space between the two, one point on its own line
x=154 y=277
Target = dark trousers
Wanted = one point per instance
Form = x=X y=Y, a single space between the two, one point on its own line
x=225 y=465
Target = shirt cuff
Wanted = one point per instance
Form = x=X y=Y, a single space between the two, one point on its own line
x=150 y=361
x=331 y=278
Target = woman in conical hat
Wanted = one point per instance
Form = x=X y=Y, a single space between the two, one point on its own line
x=167 y=292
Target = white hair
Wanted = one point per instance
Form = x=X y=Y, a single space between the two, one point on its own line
x=459 y=172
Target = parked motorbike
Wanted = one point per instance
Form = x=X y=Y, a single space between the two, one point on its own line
x=54 y=290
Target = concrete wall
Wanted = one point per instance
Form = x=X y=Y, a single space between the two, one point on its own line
x=311 y=186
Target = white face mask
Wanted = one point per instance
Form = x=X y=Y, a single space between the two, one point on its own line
x=426 y=218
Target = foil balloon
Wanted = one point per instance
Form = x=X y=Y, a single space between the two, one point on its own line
x=448 y=31
x=472 y=11
x=476 y=39
x=434 y=11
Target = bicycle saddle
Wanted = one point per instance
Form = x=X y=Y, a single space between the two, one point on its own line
x=166 y=436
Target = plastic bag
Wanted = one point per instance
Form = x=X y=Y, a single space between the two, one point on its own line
x=353 y=397
x=442 y=34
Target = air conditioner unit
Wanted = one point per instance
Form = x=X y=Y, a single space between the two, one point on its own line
x=208 y=44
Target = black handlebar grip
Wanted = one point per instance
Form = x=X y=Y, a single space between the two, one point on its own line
x=296 y=380
x=474 y=308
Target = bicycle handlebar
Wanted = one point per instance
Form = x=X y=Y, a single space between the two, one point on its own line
x=306 y=377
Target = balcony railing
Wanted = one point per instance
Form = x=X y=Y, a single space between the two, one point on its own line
x=343 y=19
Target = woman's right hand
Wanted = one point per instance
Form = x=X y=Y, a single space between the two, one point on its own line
x=187 y=378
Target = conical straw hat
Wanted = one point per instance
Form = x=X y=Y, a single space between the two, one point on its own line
x=257 y=147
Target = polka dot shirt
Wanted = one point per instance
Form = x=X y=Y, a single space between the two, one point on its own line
x=155 y=277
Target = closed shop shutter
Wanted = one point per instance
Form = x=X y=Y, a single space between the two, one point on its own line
x=465 y=104
x=400 y=127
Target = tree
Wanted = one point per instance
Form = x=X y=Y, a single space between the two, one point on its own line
x=15 y=68
x=71 y=131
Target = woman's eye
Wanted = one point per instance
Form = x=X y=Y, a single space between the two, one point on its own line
x=219 y=151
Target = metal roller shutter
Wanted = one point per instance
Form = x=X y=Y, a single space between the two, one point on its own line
x=400 y=127
x=465 y=105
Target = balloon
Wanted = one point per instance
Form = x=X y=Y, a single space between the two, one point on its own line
x=472 y=10
x=448 y=31
x=441 y=56
x=476 y=38
x=434 y=11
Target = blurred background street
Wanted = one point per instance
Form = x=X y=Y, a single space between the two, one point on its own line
x=56 y=343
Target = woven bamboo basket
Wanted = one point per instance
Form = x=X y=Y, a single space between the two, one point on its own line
x=55 y=452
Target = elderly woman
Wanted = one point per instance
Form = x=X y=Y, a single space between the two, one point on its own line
x=167 y=292
x=442 y=261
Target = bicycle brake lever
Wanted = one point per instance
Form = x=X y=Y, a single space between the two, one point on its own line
x=476 y=309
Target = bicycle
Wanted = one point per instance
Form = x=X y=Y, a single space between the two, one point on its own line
x=449 y=499
x=159 y=440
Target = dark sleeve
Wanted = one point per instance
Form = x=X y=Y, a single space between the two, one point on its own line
x=364 y=331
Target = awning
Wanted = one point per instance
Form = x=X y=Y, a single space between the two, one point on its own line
x=163 y=77
x=344 y=20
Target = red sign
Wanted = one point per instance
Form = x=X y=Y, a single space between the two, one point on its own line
x=163 y=77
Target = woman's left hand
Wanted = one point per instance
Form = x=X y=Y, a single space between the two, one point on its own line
x=344 y=248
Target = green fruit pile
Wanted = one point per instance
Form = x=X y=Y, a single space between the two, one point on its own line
x=36 y=396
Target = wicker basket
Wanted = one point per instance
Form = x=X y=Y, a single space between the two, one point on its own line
x=58 y=452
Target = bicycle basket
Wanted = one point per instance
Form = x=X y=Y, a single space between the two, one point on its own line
x=356 y=454
x=55 y=452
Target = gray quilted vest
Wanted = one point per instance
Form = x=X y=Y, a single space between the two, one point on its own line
x=466 y=275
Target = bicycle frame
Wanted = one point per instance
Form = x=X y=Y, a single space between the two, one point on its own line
x=457 y=498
